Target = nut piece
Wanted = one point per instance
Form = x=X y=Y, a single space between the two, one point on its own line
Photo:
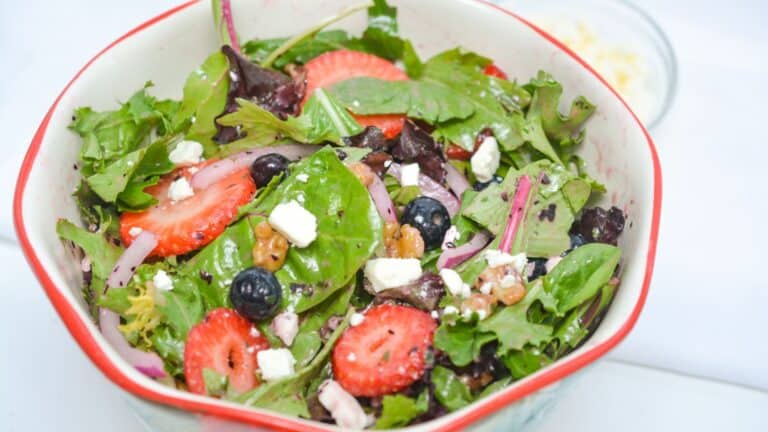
x=270 y=249
x=482 y=304
x=362 y=172
x=503 y=282
x=403 y=241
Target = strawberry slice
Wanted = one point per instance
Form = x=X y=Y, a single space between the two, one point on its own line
x=226 y=343
x=494 y=71
x=331 y=67
x=192 y=223
x=385 y=353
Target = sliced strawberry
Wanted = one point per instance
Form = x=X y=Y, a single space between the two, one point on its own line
x=494 y=71
x=458 y=153
x=335 y=66
x=226 y=343
x=385 y=353
x=190 y=224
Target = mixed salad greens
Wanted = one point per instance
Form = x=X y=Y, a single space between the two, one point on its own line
x=314 y=230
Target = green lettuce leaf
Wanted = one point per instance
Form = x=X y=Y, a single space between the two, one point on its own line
x=398 y=410
x=308 y=342
x=205 y=95
x=449 y=391
x=258 y=50
x=461 y=341
x=322 y=120
x=347 y=223
x=430 y=101
x=563 y=130
x=102 y=253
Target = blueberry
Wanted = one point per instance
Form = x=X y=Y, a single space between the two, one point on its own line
x=430 y=217
x=255 y=293
x=264 y=168
x=577 y=240
x=539 y=268
x=480 y=186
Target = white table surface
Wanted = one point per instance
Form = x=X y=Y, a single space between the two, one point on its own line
x=707 y=312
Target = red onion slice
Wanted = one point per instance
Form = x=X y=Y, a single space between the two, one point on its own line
x=455 y=180
x=131 y=258
x=522 y=193
x=150 y=364
x=222 y=168
x=450 y=258
x=431 y=189
x=381 y=199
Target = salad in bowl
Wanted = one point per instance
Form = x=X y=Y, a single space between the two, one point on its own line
x=331 y=227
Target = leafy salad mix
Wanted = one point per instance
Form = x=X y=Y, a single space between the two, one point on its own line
x=331 y=227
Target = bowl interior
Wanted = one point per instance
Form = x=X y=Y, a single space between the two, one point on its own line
x=616 y=149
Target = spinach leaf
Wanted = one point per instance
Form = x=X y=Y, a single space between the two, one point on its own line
x=426 y=100
x=398 y=410
x=581 y=274
x=205 y=95
x=494 y=387
x=511 y=326
x=302 y=52
x=96 y=213
x=308 y=342
x=170 y=347
x=461 y=341
x=322 y=120
x=522 y=363
x=449 y=391
x=102 y=253
x=563 y=130
x=212 y=269
x=347 y=223
x=183 y=307
x=110 y=135
x=287 y=395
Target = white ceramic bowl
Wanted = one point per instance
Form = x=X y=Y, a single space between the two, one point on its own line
x=618 y=150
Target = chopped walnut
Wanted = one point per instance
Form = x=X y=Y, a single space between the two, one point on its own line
x=362 y=172
x=270 y=249
x=482 y=304
x=503 y=282
x=403 y=241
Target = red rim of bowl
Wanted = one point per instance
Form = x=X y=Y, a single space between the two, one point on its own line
x=91 y=347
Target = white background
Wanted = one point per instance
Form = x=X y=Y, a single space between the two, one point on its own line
x=700 y=345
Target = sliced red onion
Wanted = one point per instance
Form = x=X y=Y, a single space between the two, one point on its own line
x=431 y=189
x=522 y=193
x=150 y=364
x=381 y=199
x=452 y=257
x=285 y=326
x=222 y=168
x=131 y=258
x=455 y=180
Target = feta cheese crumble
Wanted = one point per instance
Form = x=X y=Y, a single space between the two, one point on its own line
x=186 y=153
x=161 y=281
x=486 y=160
x=384 y=273
x=285 y=326
x=295 y=223
x=275 y=363
x=356 y=319
x=450 y=310
x=454 y=284
x=344 y=408
x=497 y=258
x=180 y=190
x=409 y=175
x=134 y=231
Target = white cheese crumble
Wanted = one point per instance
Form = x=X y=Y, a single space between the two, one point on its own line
x=303 y=177
x=294 y=222
x=486 y=288
x=409 y=175
x=344 y=408
x=186 y=153
x=134 y=231
x=180 y=190
x=450 y=310
x=161 y=281
x=356 y=319
x=434 y=314
x=285 y=326
x=497 y=258
x=449 y=241
x=467 y=313
x=486 y=159
x=384 y=273
x=453 y=282
x=275 y=363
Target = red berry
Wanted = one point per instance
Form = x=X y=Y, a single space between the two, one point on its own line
x=226 y=343
x=335 y=66
x=385 y=353
x=494 y=71
x=190 y=224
